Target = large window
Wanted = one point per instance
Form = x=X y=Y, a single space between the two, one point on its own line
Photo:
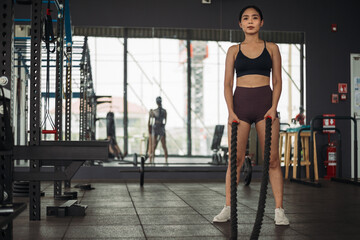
x=154 y=69
x=289 y=103
x=158 y=67
x=107 y=60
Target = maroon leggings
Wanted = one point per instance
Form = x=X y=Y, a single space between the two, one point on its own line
x=251 y=104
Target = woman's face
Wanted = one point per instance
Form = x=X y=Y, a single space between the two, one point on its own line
x=251 y=21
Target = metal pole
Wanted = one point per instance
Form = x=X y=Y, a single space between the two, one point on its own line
x=68 y=93
x=35 y=88
x=188 y=46
x=355 y=151
x=58 y=87
x=289 y=84
x=218 y=84
x=18 y=106
x=125 y=91
x=301 y=78
x=59 y=73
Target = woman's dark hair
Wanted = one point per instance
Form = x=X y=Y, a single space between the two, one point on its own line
x=250 y=6
x=158 y=100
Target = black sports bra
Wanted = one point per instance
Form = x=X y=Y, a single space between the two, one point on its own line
x=260 y=65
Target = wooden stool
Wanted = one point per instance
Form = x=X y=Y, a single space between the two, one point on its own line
x=305 y=138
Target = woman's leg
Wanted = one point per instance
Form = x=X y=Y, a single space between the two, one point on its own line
x=275 y=173
x=153 y=147
x=243 y=135
x=163 y=143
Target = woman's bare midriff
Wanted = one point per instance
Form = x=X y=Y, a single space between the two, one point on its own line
x=252 y=81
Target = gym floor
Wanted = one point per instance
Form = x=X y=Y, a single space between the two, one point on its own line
x=184 y=210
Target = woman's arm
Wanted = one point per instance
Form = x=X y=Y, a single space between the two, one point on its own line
x=276 y=76
x=276 y=79
x=229 y=82
x=149 y=121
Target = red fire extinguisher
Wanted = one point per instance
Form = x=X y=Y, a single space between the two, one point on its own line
x=330 y=162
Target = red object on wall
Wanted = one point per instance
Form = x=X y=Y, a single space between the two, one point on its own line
x=342 y=87
x=329 y=124
x=334 y=27
x=334 y=98
x=51 y=132
x=330 y=161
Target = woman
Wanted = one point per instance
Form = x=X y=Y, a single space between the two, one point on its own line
x=253 y=100
x=156 y=126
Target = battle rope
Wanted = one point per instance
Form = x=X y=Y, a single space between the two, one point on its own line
x=264 y=183
x=234 y=220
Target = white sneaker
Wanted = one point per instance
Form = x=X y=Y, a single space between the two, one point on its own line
x=223 y=216
x=280 y=218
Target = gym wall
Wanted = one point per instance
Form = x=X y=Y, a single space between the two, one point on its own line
x=327 y=53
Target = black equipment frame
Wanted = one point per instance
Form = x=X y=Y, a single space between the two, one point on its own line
x=66 y=157
x=35 y=103
x=59 y=85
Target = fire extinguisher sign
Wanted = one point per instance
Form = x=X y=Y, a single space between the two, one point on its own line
x=329 y=124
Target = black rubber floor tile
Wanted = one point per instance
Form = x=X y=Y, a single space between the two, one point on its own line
x=213 y=196
x=326 y=229
x=100 y=199
x=170 y=231
x=172 y=219
x=195 y=193
x=161 y=204
x=38 y=238
x=108 y=204
x=45 y=221
x=105 y=220
x=148 y=187
x=103 y=211
x=107 y=193
x=150 y=194
x=189 y=238
x=224 y=227
x=155 y=198
x=217 y=209
x=39 y=231
x=334 y=236
x=98 y=232
x=330 y=212
x=188 y=187
x=42 y=211
x=293 y=237
x=204 y=202
x=125 y=238
x=143 y=238
x=293 y=209
x=248 y=218
x=166 y=211
x=326 y=217
x=267 y=229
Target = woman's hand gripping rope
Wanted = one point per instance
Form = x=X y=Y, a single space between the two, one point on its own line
x=271 y=113
x=233 y=118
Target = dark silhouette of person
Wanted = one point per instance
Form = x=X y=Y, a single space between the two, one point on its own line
x=114 y=150
x=156 y=126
